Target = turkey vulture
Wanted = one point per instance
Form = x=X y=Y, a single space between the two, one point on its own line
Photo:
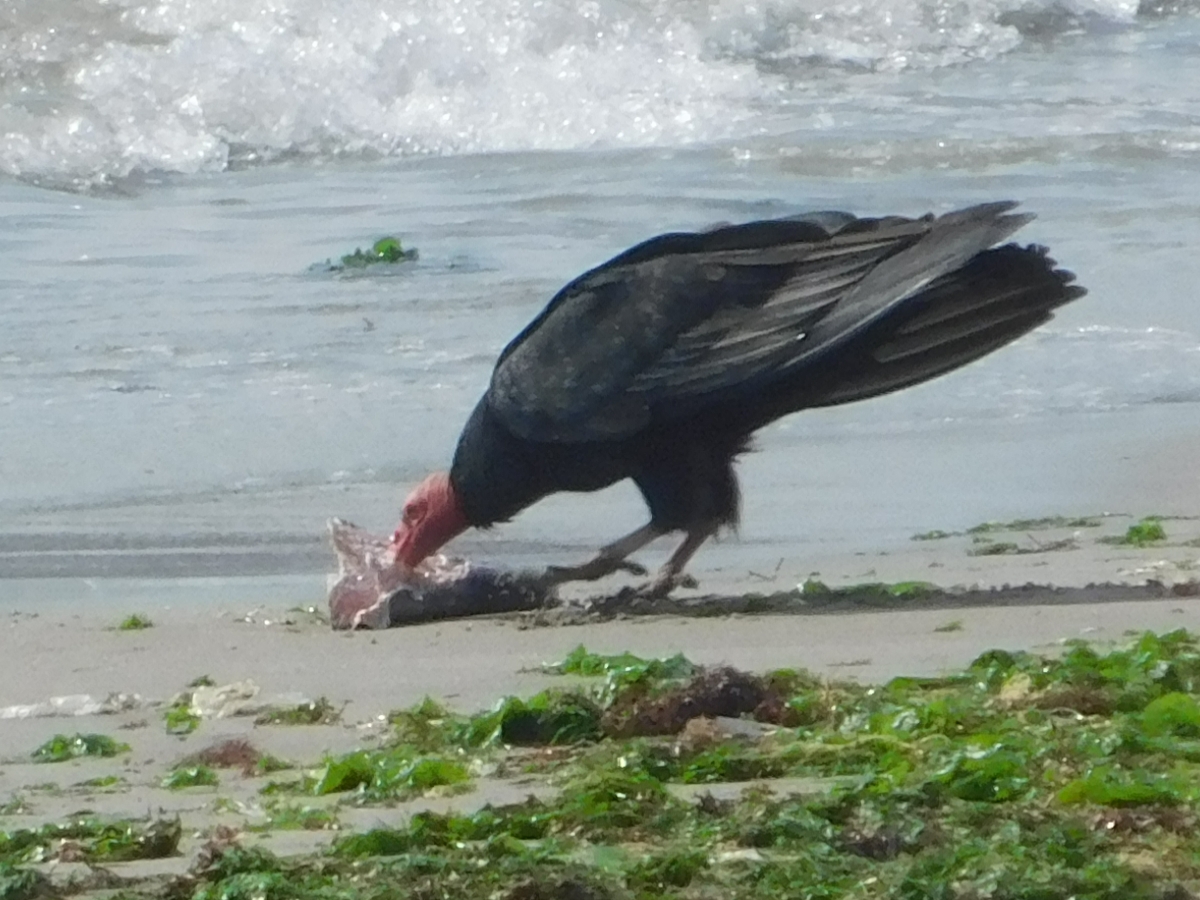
x=661 y=363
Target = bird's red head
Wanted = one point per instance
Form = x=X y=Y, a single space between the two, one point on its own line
x=432 y=516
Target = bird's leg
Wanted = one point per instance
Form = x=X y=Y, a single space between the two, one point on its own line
x=671 y=575
x=611 y=558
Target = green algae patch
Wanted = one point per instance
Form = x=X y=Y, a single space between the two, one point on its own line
x=61 y=747
x=22 y=884
x=189 y=777
x=870 y=592
x=135 y=622
x=1044 y=523
x=179 y=719
x=387 y=252
x=550 y=717
x=382 y=775
x=298 y=817
x=935 y=535
x=429 y=727
x=994 y=548
x=623 y=667
x=984 y=546
x=1020 y=777
x=1145 y=533
x=93 y=840
x=16 y=805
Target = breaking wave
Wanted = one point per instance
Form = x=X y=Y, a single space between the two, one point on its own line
x=93 y=91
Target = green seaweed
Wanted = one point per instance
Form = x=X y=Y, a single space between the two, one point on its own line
x=1141 y=534
x=92 y=839
x=428 y=726
x=1040 y=524
x=385 y=251
x=1021 y=777
x=16 y=805
x=22 y=884
x=314 y=712
x=868 y=591
x=179 y=718
x=298 y=817
x=61 y=747
x=994 y=548
x=550 y=717
x=935 y=535
x=268 y=764
x=378 y=775
x=190 y=776
x=135 y=622
x=1109 y=785
x=624 y=667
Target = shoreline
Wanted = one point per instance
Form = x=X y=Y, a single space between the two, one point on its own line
x=261 y=631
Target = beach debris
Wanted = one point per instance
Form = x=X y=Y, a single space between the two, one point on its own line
x=371 y=590
x=221 y=841
x=224 y=700
x=204 y=700
x=73 y=705
x=239 y=698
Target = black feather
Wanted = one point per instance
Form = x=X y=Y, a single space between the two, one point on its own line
x=659 y=364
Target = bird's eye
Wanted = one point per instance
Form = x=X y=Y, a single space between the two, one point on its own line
x=413 y=512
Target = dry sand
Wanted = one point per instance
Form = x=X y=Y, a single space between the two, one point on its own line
x=64 y=649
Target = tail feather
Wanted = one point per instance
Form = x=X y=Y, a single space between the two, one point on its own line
x=884 y=379
x=994 y=299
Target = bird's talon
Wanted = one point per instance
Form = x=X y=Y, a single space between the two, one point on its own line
x=591 y=571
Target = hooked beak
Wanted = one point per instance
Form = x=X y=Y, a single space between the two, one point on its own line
x=406 y=548
x=432 y=517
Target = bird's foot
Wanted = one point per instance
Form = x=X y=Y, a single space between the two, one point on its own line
x=592 y=570
x=664 y=584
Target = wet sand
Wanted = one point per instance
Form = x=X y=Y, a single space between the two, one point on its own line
x=56 y=648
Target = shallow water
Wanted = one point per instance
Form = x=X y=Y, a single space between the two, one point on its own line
x=184 y=390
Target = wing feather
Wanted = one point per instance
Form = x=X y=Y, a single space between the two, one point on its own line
x=690 y=319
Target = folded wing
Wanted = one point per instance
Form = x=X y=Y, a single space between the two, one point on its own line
x=685 y=321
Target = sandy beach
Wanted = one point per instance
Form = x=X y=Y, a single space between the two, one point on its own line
x=282 y=654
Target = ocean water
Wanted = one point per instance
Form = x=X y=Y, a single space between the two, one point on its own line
x=185 y=390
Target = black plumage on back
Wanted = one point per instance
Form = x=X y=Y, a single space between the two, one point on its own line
x=659 y=364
